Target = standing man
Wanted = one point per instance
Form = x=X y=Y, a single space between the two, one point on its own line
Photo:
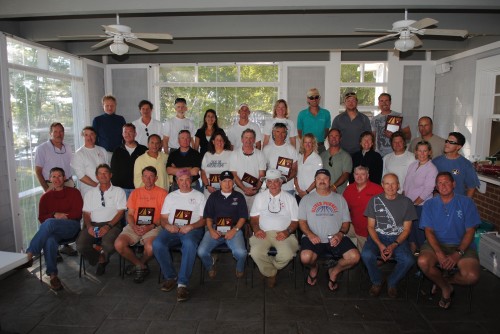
x=248 y=166
x=282 y=156
x=103 y=208
x=146 y=125
x=464 y=174
x=108 y=126
x=351 y=124
x=425 y=130
x=314 y=119
x=324 y=219
x=357 y=196
x=183 y=225
x=185 y=157
x=143 y=222
x=59 y=213
x=386 y=123
x=225 y=212
x=176 y=124
x=389 y=224
x=53 y=153
x=274 y=220
x=123 y=159
x=337 y=161
x=235 y=131
x=399 y=160
x=152 y=157
x=86 y=160
x=450 y=221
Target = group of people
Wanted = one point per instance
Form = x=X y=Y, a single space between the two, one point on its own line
x=361 y=196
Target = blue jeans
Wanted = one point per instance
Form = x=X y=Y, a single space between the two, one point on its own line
x=49 y=234
x=236 y=244
x=402 y=254
x=188 y=242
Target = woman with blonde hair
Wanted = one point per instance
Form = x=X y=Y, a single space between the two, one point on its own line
x=308 y=163
x=280 y=115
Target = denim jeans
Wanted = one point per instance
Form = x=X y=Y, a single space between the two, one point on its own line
x=402 y=254
x=236 y=244
x=189 y=244
x=49 y=234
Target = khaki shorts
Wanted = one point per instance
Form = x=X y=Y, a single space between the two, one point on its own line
x=129 y=232
x=470 y=253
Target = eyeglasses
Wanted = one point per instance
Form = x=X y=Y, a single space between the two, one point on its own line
x=61 y=151
x=451 y=142
x=147 y=132
x=102 y=199
x=272 y=207
x=330 y=162
x=315 y=97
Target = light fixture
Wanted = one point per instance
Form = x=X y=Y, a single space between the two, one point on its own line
x=404 y=44
x=118 y=47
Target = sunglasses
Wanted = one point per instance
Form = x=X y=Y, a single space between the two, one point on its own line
x=349 y=95
x=147 y=132
x=451 y=142
x=103 y=203
x=315 y=97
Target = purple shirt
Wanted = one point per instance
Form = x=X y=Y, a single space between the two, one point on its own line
x=48 y=156
x=420 y=181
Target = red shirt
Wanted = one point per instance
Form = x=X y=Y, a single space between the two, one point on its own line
x=357 y=202
x=68 y=200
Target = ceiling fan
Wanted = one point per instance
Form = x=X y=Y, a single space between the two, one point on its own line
x=119 y=35
x=407 y=30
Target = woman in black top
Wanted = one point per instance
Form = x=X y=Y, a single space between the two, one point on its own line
x=368 y=157
x=203 y=134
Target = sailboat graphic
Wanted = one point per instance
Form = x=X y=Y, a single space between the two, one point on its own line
x=386 y=224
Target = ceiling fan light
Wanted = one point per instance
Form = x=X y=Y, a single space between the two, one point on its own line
x=118 y=48
x=404 y=44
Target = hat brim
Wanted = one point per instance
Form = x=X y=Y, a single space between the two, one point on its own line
x=283 y=178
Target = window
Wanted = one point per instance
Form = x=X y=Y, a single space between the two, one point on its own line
x=222 y=87
x=368 y=80
x=43 y=89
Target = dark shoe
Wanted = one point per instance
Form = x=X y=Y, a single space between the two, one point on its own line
x=101 y=268
x=392 y=292
x=375 y=290
x=169 y=285
x=140 y=274
x=240 y=274
x=67 y=250
x=271 y=281
x=55 y=283
x=130 y=270
x=59 y=257
x=28 y=264
x=182 y=294
x=212 y=272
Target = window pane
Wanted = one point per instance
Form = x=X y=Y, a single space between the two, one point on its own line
x=59 y=63
x=177 y=74
x=18 y=53
x=350 y=73
x=374 y=72
x=227 y=73
x=259 y=73
x=207 y=74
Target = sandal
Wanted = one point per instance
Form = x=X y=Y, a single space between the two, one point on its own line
x=333 y=285
x=445 y=303
x=311 y=280
x=140 y=275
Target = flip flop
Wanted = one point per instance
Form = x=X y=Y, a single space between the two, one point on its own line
x=311 y=280
x=333 y=285
x=445 y=303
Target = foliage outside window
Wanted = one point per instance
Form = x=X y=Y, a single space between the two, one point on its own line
x=368 y=80
x=220 y=87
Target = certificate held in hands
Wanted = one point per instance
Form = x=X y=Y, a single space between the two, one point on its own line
x=393 y=123
x=215 y=180
x=223 y=224
x=182 y=217
x=145 y=216
x=284 y=165
x=249 y=179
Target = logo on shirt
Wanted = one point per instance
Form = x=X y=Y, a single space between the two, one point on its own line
x=455 y=171
x=460 y=214
x=324 y=209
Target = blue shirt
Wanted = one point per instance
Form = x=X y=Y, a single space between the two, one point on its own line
x=308 y=123
x=450 y=221
x=233 y=206
x=462 y=170
x=109 y=131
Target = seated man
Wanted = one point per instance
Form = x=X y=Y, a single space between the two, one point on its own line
x=182 y=221
x=390 y=215
x=225 y=213
x=324 y=220
x=450 y=221
x=274 y=220
x=103 y=210
x=143 y=222
x=59 y=213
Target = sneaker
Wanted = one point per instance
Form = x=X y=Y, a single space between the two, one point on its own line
x=101 y=268
x=169 y=285
x=182 y=294
x=55 y=283
x=375 y=290
x=140 y=274
x=68 y=250
x=392 y=292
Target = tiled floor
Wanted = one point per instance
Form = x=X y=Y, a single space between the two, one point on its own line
x=109 y=304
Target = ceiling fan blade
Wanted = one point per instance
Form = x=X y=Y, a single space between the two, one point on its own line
x=102 y=43
x=418 y=41
x=423 y=23
x=152 y=35
x=446 y=32
x=111 y=29
x=378 y=40
x=82 y=37
x=142 y=44
x=373 y=30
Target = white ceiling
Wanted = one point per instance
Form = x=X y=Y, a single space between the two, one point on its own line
x=257 y=26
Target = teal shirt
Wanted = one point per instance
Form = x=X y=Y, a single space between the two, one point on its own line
x=308 y=123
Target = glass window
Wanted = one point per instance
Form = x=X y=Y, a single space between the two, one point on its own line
x=177 y=73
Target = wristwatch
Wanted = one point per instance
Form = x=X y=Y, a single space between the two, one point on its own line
x=461 y=252
x=237 y=229
x=289 y=231
x=109 y=225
